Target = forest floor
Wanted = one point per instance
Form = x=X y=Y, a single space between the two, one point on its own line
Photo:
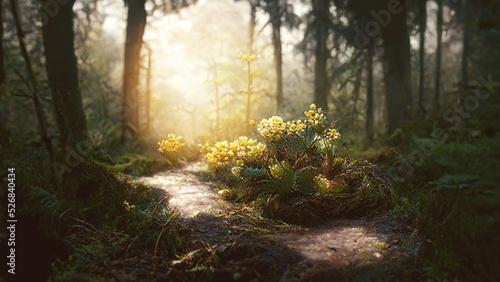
x=228 y=240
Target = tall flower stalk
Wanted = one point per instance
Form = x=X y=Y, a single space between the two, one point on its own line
x=248 y=58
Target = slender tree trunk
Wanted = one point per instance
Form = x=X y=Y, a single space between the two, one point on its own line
x=276 y=38
x=465 y=45
x=38 y=107
x=2 y=70
x=369 y=95
x=356 y=90
x=136 y=24
x=439 y=31
x=321 y=82
x=422 y=26
x=62 y=74
x=397 y=70
x=148 y=92
x=251 y=35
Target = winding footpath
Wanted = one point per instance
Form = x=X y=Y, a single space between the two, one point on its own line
x=377 y=246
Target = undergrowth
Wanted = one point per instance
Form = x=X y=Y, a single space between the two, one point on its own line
x=449 y=188
x=89 y=224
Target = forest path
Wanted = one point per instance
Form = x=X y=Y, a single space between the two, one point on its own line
x=248 y=246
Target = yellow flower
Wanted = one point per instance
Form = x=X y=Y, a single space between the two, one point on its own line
x=314 y=116
x=273 y=128
x=237 y=152
x=172 y=144
x=332 y=134
x=246 y=56
x=236 y=171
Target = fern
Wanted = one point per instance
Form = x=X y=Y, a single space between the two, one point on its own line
x=47 y=201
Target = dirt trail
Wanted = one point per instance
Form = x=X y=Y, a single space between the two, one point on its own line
x=378 y=245
x=188 y=195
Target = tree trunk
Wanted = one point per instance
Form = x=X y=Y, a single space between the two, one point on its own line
x=397 y=69
x=136 y=24
x=251 y=35
x=276 y=38
x=147 y=99
x=38 y=107
x=356 y=90
x=2 y=70
x=422 y=26
x=369 y=95
x=465 y=45
x=62 y=74
x=321 y=82
x=439 y=31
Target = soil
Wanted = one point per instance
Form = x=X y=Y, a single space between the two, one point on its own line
x=228 y=241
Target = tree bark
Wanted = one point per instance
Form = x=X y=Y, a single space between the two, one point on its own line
x=356 y=90
x=397 y=70
x=2 y=69
x=251 y=35
x=465 y=45
x=38 y=107
x=369 y=95
x=422 y=26
x=439 y=31
x=147 y=99
x=278 y=56
x=136 y=24
x=62 y=74
x=321 y=11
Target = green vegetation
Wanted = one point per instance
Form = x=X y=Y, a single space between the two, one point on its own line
x=300 y=175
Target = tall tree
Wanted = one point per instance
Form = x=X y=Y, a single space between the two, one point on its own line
x=2 y=70
x=465 y=42
x=439 y=31
x=369 y=94
x=136 y=24
x=397 y=65
x=34 y=86
x=253 y=12
x=422 y=26
x=275 y=10
x=62 y=74
x=278 y=56
x=321 y=12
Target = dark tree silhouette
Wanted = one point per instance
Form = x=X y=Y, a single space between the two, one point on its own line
x=2 y=70
x=397 y=66
x=439 y=31
x=136 y=24
x=62 y=73
x=422 y=26
x=369 y=95
x=321 y=11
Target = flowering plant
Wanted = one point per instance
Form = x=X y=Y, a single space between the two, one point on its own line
x=171 y=147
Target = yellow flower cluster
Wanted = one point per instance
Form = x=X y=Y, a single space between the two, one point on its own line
x=332 y=135
x=246 y=56
x=172 y=144
x=314 y=116
x=272 y=128
x=239 y=151
x=295 y=126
